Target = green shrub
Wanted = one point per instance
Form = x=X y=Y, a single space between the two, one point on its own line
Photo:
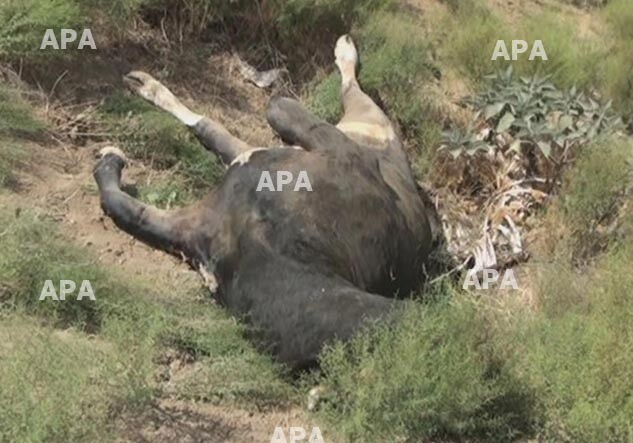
x=535 y=114
x=577 y=356
x=134 y=321
x=588 y=61
x=429 y=377
x=593 y=192
x=24 y=23
x=33 y=252
x=64 y=386
x=573 y=60
x=617 y=70
x=325 y=99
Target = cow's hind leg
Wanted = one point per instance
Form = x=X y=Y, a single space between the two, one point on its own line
x=211 y=134
x=169 y=231
x=363 y=120
x=300 y=310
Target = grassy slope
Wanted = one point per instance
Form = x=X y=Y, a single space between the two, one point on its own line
x=454 y=368
x=105 y=362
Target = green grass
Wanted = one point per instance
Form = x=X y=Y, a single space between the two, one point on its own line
x=616 y=73
x=58 y=387
x=17 y=120
x=464 y=368
x=106 y=364
x=469 y=36
x=23 y=24
x=12 y=156
x=17 y=115
x=593 y=193
x=598 y=60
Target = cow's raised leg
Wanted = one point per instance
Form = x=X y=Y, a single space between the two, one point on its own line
x=363 y=120
x=211 y=134
x=296 y=126
x=170 y=231
x=362 y=116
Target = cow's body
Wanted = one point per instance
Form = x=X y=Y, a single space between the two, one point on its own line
x=301 y=267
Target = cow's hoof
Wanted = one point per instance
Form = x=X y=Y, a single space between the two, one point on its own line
x=113 y=150
x=150 y=89
x=345 y=51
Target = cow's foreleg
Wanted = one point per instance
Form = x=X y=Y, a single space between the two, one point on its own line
x=215 y=137
x=169 y=231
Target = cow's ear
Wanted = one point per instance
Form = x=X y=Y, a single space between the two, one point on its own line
x=296 y=125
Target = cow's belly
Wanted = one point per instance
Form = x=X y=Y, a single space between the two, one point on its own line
x=349 y=221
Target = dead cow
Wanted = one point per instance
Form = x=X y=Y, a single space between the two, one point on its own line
x=301 y=267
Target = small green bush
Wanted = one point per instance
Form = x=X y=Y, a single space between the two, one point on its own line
x=133 y=323
x=429 y=377
x=617 y=70
x=593 y=192
x=34 y=252
x=469 y=38
x=576 y=355
x=596 y=61
x=573 y=60
x=325 y=99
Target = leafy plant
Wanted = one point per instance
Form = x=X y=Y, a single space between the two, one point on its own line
x=458 y=141
x=533 y=112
